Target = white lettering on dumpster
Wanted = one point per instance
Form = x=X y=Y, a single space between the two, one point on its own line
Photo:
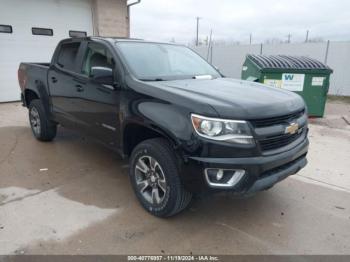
x=273 y=82
x=317 y=81
x=293 y=82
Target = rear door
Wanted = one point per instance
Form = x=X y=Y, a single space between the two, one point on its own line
x=64 y=88
x=98 y=103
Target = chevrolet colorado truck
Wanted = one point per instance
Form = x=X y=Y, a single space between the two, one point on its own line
x=184 y=127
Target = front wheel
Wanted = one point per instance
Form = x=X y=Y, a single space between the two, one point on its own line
x=154 y=175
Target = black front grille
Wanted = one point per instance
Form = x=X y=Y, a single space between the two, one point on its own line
x=275 y=142
x=276 y=120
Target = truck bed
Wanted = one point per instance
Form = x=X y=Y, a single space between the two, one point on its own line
x=36 y=64
x=33 y=76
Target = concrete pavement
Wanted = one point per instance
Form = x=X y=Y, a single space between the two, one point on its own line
x=72 y=196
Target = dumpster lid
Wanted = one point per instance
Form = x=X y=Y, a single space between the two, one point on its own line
x=287 y=62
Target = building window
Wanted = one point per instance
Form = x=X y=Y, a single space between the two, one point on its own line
x=77 y=33
x=6 y=29
x=42 y=31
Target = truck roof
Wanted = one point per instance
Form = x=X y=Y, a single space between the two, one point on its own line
x=114 y=39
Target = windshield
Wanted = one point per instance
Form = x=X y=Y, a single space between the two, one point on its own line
x=156 y=62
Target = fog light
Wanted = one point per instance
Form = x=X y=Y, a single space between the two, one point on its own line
x=217 y=177
x=219 y=174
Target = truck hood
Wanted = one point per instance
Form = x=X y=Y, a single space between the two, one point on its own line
x=229 y=98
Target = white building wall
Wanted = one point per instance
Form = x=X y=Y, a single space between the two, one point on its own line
x=22 y=46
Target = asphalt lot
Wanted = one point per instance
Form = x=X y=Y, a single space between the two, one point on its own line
x=73 y=196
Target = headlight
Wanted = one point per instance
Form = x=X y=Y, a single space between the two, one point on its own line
x=236 y=131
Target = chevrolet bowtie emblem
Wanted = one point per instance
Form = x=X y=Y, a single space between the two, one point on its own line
x=292 y=128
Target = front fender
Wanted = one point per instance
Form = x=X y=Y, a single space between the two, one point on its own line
x=172 y=120
x=168 y=120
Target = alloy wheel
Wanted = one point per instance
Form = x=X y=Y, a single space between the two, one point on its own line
x=150 y=180
x=35 y=121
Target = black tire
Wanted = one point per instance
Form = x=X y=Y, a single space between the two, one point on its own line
x=42 y=127
x=175 y=198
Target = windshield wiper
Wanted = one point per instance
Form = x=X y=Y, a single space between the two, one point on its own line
x=206 y=77
x=153 y=79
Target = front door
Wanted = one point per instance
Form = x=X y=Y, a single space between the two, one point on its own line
x=98 y=103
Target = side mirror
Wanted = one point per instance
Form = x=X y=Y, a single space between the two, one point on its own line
x=102 y=75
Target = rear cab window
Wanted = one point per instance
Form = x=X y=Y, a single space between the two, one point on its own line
x=67 y=55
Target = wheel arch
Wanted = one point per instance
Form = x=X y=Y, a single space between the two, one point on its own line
x=135 y=133
x=37 y=90
x=29 y=96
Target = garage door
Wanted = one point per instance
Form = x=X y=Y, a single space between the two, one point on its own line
x=30 y=31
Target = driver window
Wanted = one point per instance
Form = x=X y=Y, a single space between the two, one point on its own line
x=97 y=56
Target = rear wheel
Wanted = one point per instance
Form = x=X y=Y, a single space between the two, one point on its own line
x=42 y=127
x=154 y=175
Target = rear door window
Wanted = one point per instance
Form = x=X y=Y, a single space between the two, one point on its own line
x=68 y=55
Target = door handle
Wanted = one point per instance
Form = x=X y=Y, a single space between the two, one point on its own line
x=79 y=88
x=53 y=79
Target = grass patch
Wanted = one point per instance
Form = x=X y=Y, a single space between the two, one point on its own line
x=344 y=99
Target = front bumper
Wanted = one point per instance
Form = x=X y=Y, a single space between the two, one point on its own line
x=262 y=172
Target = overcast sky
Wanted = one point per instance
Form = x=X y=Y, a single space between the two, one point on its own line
x=234 y=20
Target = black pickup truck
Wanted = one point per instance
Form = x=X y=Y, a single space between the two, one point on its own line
x=184 y=127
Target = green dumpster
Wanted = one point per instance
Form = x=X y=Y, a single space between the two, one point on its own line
x=303 y=75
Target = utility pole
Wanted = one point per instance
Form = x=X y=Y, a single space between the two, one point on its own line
x=250 y=38
x=327 y=50
x=197 y=40
x=209 y=44
x=307 y=36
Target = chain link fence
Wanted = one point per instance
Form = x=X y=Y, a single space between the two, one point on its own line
x=229 y=59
